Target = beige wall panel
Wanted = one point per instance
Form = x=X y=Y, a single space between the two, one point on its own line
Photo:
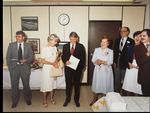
x=133 y=17
x=43 y=22
x=78 y=23
x=147 y=16
x=105 y=12
x=6 y=31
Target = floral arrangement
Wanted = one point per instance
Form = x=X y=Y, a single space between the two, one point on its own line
x=106 y=52
x=35 y=65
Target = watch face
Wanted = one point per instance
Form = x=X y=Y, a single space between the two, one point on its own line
x=63 y=19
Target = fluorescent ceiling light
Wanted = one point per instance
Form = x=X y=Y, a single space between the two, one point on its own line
x=17 y=0
x=110 y=0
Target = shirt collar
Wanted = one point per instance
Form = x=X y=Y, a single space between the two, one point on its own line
x=72 y=44
x=20 y=43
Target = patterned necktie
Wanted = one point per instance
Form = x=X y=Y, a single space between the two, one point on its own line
x=147 y=46
x=20 y=52
x=72 y=49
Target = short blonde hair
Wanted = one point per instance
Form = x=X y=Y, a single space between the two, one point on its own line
x=53 y=36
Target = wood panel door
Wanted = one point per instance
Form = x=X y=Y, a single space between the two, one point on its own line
x=96 y=30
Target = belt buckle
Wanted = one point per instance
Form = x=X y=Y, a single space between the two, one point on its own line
x=19 y=63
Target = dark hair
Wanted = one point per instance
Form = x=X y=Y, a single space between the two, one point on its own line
x=21 y=33
x=126 y=28
x=106 y=37
x=74 y=34
x=136 y=33
x=147 y=30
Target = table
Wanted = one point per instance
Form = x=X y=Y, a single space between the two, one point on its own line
x=134 y=104
x=34 y=80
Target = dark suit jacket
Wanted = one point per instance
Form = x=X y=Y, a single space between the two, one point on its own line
x=143 y=62
x=123 y=64
x=78 y=53
x=12 y=53
x=130 y=54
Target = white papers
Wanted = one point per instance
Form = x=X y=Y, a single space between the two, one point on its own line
x=74 y=62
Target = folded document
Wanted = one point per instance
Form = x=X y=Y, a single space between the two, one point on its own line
x=74 y=62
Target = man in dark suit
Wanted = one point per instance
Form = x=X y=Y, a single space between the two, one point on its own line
x=142 y=55
x=19 y=57
x=73 y=77
x=120 y=56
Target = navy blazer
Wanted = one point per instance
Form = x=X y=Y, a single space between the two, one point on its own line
x=78 y=53
x=130 y=54
x=123 y=63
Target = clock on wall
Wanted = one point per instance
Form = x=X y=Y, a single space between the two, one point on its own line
x=63 y=19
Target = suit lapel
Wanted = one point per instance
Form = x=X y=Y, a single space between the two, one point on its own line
x=16 y=49
x=126 y=44
x=144 y=48
x=76 y=48
x=25 y=50
x=119 y=42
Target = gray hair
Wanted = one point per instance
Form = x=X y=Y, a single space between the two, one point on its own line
x=53 y=36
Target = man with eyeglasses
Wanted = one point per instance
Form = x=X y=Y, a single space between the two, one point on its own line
x=120 y=57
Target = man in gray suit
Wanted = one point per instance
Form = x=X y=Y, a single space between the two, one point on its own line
x=19 y=57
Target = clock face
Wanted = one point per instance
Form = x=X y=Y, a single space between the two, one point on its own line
x=63 y=19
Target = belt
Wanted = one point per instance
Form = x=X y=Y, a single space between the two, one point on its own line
x=19 y=63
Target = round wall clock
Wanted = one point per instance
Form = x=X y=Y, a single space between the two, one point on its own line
x=63 y=19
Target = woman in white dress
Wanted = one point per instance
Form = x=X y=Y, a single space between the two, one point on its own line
x=130 y=81
x=48 y=55
x=103 y=74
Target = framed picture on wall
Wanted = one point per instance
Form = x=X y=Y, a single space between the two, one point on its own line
x=61 y=44
x=35 y=44
x=29 y=23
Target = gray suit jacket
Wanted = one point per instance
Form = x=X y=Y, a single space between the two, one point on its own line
x=12 y=55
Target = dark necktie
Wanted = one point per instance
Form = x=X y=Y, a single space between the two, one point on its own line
x=20 y=52
x=72 y=49
x=147 y=46
x=121 y=42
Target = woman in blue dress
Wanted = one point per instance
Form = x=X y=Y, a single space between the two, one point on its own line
x=103 y=74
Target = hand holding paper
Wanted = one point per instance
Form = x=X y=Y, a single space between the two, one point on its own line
x=73 y=62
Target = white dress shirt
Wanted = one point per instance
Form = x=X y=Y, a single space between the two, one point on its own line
x=74 y=45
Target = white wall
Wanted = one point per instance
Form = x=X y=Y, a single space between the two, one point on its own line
x=105 y=13
x=43 y=22
x=133 y=17
x=78 y=23
x=6 y=31
x=147 y=16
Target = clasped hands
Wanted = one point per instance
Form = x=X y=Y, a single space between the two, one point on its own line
x=56 y=64
x=99 y=62
x=132 y=66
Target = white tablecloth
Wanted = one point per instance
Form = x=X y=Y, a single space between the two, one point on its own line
x=34 y=80
x=134 y=104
